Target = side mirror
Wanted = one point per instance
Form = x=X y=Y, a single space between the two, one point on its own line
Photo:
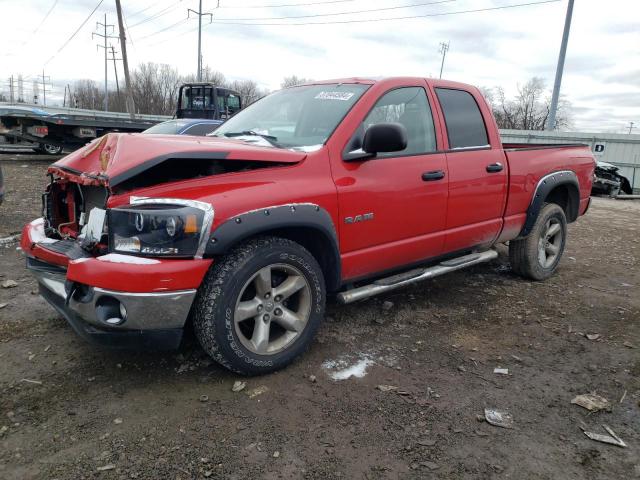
x=385 y=137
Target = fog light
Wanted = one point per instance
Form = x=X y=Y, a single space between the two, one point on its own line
x=114 y=321
x=110 y=311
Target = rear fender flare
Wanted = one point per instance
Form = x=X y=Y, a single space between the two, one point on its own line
x=545 y=186
x=274 y=219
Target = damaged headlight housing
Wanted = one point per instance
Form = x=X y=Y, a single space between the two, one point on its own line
x=159 y=228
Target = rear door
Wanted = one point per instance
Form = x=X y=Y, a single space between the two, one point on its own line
x=477 y=172
x=393 y=207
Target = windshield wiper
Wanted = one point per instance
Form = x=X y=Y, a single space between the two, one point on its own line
x=269 y=138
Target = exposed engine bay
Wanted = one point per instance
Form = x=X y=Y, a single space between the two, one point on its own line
x=609 y=182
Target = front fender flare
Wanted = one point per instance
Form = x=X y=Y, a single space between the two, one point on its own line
x=277 y=218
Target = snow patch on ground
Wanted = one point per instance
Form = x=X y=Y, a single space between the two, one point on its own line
x=130 y=259
x=354 y=366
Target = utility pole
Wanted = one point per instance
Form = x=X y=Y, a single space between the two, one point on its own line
x=36 y=91
x=631 y=127
x=44 y=88
x=551 y=125
x=444 y=48
x=105 y=36
x=11 y=94
x=115 y=70
x=200 y=15
x=20 y=89
x=131 y=108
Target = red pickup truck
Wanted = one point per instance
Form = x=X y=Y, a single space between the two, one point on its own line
x=350 y=187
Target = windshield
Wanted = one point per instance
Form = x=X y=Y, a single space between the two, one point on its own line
x=170 y=127
x=300 y=118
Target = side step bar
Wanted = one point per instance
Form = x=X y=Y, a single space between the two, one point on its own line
x=413 y=276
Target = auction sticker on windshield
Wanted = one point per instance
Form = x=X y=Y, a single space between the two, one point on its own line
x=344 y=96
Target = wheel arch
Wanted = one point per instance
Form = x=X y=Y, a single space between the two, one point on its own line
x=307 y=224
x=561 y=188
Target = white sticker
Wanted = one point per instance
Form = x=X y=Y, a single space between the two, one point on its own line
x=344 y=96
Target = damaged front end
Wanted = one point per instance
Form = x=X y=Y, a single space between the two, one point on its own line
x=608 y=181
x=125 y=275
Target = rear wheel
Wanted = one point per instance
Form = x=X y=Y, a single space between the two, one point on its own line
x=50 y=149
x=538 y=254
x=260 y=306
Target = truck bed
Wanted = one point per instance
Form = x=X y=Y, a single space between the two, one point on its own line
x=528 y=163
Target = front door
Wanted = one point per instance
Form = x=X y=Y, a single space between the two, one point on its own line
x=393 y=207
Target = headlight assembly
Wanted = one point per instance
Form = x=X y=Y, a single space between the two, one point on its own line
x=160 y=227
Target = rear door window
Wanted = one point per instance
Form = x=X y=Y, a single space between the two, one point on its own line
x=465 y=125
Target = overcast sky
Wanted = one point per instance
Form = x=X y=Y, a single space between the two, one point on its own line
x=488 y=48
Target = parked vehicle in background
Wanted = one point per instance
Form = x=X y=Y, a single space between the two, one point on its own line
x=609 y=182
x=205 y=100
x=352 y=186
x=50 y=130
x=197 y=127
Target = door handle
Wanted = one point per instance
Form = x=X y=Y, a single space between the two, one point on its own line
x=495 y=167
x=433 y=175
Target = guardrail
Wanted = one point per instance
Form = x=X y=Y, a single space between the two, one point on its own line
x=85 y=112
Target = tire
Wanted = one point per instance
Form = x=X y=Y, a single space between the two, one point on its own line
x=236 y=287
x=49 y=149
x=526 y=254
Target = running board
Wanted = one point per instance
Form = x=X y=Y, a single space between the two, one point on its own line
x=402 y=279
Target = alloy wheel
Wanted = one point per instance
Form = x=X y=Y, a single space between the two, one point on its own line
x=550 y=242
x=273 y=309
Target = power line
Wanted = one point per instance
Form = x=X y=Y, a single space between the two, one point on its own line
x=55 y=2
x=162 y=12
x=222 y=22
x=184 y=20
x=143 y=10
x=353 y=12
x=288 y=4
x=75 y=33
x=337 y=22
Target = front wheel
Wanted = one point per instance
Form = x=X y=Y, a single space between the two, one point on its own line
x=259 y=306
x=538 y=254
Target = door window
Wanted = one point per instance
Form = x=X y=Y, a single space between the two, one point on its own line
x=409 y=107
x=465 y=126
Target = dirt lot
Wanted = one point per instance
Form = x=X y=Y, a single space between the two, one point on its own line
x=71 y=411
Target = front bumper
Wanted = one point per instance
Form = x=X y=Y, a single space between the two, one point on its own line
x=148 y=314
x=152 y=320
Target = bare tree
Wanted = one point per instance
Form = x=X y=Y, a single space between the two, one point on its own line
x=293 y=80
x=209 y=75
x=86 y=94
x=528 y=109
x=154 y=88
x=248 y=90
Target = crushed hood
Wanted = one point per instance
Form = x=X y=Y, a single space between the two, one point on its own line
x=116 y=157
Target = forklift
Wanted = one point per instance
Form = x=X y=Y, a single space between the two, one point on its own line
x=205 y=100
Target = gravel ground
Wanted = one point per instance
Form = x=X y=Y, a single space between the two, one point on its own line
x=71 y=411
